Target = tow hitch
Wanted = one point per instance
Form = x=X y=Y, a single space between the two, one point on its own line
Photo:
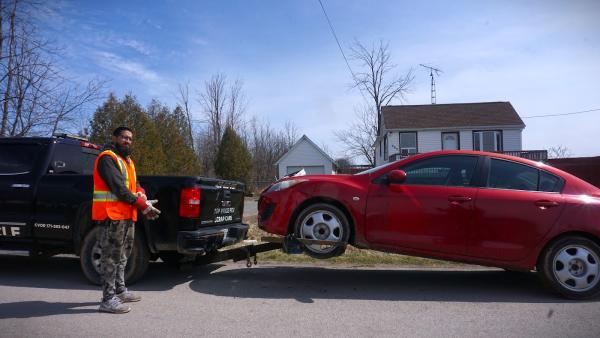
x=288 y=244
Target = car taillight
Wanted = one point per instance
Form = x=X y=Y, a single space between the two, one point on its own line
x=189 y=203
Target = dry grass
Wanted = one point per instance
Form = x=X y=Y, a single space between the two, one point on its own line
x=352 y=256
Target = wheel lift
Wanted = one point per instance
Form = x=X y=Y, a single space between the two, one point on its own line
x=288 y=244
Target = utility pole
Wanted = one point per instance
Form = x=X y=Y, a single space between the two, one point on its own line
x=432 y=71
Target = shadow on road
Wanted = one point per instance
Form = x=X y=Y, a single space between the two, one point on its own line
x=305 y=284
x=65 y=273
x=33 y=309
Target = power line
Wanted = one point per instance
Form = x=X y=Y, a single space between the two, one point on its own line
x=563 y=114
x=336 y=39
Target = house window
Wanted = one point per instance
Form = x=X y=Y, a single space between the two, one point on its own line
x=487 y=140
x=380 y=148
x=408 y=143
x=385 y=148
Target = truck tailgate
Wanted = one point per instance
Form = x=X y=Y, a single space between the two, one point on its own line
x=221 y=202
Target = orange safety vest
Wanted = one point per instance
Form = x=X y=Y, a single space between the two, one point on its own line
x=105 y=204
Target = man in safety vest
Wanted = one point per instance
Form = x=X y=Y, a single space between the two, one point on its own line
x=117 y=196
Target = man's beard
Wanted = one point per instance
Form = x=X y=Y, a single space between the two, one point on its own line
x=124 y=151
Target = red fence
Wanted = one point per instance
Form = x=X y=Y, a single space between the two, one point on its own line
x=586 y=168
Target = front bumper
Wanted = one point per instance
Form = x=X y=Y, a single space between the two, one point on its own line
x=206 y=240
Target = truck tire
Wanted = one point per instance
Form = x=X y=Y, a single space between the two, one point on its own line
x=90 y=255
x=322 y=221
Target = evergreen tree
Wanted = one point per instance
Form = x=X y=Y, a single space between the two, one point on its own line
x=234 y=161
x=147 y=150
x=181 y=158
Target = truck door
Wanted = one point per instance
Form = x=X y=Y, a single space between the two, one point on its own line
x=20 y=163
x=64 y=190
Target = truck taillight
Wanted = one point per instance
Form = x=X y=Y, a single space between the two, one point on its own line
x=189 y=203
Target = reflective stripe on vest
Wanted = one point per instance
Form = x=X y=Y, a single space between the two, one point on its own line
x=104 y=196
x=123 y=168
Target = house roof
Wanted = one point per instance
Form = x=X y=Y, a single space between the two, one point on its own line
x=304 y=137
x=450 y=115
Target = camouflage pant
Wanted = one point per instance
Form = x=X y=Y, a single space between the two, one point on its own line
x=116 y=242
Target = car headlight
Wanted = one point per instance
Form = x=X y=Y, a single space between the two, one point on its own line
x=284 y=185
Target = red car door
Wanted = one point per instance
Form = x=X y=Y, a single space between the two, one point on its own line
x=430 y=210
x=514 y=211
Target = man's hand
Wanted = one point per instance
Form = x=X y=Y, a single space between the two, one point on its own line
x=150 y=211
x=142 y=195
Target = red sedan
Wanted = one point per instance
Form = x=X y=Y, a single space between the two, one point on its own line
x=467 y=206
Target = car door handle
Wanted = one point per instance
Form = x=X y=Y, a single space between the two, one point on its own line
x=20 y=185
x=459 y=199
x=546 y=204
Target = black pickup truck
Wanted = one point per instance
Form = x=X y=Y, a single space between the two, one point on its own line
x=45 y=207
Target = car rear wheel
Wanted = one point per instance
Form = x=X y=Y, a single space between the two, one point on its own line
x=323 y=222
x=91 y=253
x=571 y=267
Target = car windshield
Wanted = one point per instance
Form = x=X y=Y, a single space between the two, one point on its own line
x=368 y=171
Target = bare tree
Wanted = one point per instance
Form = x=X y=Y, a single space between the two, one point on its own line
x=237 y=105
x=213 y=100
x=559 y=151
x=375 y=78
x=36 y=97
x=184 y=103
x=267 y=145
x=359 y=138
x=377 y=82
x=223 y=105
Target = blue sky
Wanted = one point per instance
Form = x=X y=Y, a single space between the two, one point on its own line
x=542 y=56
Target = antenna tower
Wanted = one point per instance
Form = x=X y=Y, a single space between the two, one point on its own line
x=433 y=72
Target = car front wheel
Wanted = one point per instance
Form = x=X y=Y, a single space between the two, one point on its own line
x=323 y=222
x=571 y=266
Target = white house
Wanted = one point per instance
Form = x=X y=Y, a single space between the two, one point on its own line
x=412 y=129
x=305 y=154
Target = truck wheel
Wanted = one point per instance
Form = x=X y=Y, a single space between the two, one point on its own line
x=322 y=221
x=91 y=253
x=570 y=266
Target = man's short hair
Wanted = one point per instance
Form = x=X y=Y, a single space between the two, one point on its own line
x=121 y=129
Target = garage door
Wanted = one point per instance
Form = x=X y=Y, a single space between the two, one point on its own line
x=310 y=170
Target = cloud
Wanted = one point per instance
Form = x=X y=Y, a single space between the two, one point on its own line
x=136 y=45
x=116 y=63
x=199 y=41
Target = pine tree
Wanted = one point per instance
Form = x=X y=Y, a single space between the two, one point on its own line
x=234 y=161
x=147 y=150
x=181 y=158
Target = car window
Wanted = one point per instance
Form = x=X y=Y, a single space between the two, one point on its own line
x=511 y=175
x=18 y=158
x=549 y=182
x=442 y=170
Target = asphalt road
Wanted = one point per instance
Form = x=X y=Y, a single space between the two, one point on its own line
x=250 y=206
x=51 y=299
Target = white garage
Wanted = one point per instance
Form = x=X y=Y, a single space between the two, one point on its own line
x=305 y=154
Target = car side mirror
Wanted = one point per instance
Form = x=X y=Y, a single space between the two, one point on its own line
x=396 y=177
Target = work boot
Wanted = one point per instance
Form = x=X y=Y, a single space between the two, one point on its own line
x=113 y=305
x=129 y=297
